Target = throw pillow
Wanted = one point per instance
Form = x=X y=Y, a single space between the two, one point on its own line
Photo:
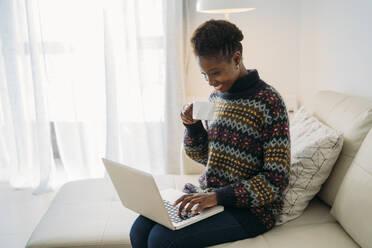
x=315 y=148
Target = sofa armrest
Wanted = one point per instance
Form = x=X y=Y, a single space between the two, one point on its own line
x=189 y=166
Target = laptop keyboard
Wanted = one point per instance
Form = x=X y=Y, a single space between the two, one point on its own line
x=173 y=212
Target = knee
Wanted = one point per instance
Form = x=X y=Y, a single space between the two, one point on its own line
x=161 y=237
x=134 y=237
x=139 y=232
x=156 y=240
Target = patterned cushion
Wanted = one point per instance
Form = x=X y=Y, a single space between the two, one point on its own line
x=314 y=150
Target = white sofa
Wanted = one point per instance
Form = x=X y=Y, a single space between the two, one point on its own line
x=88 y=213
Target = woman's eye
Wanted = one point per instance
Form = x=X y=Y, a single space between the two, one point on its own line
x=215 y=73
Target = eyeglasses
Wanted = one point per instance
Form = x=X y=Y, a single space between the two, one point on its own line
x=205 y=76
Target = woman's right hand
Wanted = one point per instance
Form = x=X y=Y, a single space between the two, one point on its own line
x=186 y=114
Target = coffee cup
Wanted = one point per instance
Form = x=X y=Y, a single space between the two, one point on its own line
x=203 y=110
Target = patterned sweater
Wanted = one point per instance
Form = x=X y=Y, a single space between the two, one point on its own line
x=246 y=150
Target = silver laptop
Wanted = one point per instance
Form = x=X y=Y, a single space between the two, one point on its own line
x=138 y=191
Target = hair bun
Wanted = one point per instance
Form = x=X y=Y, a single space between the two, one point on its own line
x=228 y=31
x=238 y=36
x=215 y=36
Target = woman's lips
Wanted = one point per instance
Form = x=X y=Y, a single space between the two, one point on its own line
x=218 y=87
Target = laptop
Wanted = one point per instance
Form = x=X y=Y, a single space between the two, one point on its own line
x=138 y=191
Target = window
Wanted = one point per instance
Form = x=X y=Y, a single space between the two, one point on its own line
x=74 y=51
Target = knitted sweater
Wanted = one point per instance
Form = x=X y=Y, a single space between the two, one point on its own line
x=246 y=150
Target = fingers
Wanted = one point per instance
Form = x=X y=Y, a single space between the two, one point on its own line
x=185 y=120
x=188 y=121
x=198 y=209
x=181 y=199
x=186 y=114
x=192 y=204
x=188 y=111
x=191 y=200
x=187 y=108
x=203 y=200
x=184 y=202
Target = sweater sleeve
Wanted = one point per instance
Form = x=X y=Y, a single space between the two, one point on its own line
x=196 y=142
x=268 y=185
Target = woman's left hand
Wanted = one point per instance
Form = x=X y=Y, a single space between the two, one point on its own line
x=205 y=200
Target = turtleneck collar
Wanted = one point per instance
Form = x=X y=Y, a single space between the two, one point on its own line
x=244 y=86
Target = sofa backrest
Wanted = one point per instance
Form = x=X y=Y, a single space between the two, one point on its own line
x=353 y=203
x=350 y=114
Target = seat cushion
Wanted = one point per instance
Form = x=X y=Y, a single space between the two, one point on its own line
x=308 y=236
x=88 y=213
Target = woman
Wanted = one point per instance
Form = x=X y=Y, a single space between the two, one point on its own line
x=246 y=150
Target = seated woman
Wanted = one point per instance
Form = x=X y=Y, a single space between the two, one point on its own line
x=245 y=148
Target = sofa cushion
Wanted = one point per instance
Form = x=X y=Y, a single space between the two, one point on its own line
x=353 y=203
x=320 y=235
x=352 y=115
x=92 y=193
x=88 y=213
x=309 y=236
x=314 y=150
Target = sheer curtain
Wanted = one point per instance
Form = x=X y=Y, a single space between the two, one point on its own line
x=81 y=80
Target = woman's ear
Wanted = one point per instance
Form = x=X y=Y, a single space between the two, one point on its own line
x=237 y=58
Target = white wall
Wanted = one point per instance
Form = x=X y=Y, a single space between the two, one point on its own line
x=270 y=45
x=299 y=47
x=335 y=47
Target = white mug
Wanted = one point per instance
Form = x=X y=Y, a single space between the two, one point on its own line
x=202 y=110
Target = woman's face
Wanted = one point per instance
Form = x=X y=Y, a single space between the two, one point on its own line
x=220 y=73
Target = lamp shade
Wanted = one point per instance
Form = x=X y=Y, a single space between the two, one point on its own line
x=224 y=6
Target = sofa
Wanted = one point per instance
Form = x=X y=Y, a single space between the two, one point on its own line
x=88 y=213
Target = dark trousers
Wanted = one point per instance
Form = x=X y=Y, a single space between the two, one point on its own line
x=217 y=229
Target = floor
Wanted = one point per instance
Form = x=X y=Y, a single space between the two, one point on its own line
x=20 y=212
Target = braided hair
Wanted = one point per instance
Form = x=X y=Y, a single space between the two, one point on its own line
x=214 y=38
